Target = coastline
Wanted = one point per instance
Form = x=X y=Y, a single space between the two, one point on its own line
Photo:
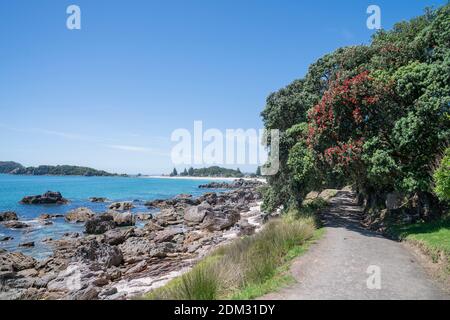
x=130 y=260
x=263 y=180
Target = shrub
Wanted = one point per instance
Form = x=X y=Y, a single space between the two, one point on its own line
x=442 y=178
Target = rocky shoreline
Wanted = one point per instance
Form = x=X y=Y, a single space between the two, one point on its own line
x=117 y=260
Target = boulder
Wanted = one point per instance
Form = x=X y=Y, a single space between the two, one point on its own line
x=195 y=215
x=245 y=228
x=121 y=206
x=123 y=219
x=161 y=250
x=80 y=215
x=8 y=216
x=95 y=199
x=47 y=216
x=100 y=253
x=135 y=247
x=144 y=216
x=100 y=224
x=16 y=261
x=6 y=238
x=49 y=197
x=210 y=197
x=117 y=236
x=167 y=235
x=179 y=201
x=218 y=221
x=27 y=244
x=90 y=293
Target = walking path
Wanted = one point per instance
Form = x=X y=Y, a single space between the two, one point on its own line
x=336 y=266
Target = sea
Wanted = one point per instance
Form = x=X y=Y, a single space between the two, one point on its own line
x=77 y=190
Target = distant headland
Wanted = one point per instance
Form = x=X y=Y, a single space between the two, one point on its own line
x=11 y=167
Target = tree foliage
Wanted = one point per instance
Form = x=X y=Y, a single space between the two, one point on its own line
x=442 y=178
x=375 y=116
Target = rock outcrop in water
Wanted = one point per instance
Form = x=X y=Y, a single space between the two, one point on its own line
x=121 y=206
x=120 y=262
x=8 y=216
x=80 y=215
x=97 y=199
x=49 y=197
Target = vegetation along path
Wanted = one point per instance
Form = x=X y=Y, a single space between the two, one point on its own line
x=336 y=267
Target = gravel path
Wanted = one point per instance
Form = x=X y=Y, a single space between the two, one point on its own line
x=336 y=267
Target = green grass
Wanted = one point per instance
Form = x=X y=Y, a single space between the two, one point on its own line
x=281 y=277
x=432 y=237
x=249 y=267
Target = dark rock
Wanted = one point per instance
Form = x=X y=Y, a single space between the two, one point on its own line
x=100 y=224
x=101 y=253
x=179 y=201
x=90 y=293
x=100 y=282
x=6 y=238
x=161 y=250
x=71 y=235
x=8 y=216
x=95 y=199
x=43 y=281
x=109 y=292
x=49 y=197
x=15 y=225
x=117 y=236
x=210 y=197
x=27 y=244
x=121 y=206
x=218 y=221
x=47 y=216
x=167 y=235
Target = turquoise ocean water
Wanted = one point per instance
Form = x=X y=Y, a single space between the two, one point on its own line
x=78 y=190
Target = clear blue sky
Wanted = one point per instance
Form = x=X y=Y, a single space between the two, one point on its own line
x=109 y=95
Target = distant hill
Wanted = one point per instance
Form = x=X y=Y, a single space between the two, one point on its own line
x=10 y=167
x=214 y=171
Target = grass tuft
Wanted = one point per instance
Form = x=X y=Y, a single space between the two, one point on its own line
x=248 y=267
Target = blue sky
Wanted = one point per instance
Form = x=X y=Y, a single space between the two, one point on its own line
x=109 y=95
